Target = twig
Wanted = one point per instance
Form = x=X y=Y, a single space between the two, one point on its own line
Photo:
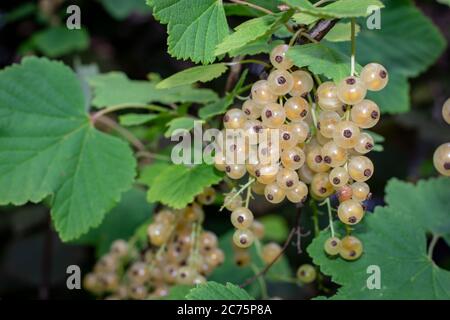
x=433 y=243
x=95 y=116
x=330 y=216
x=251 y=5
x=353 y=58
x=286 y=244
x=320 y=30
x=123 y=132
x=233 y=76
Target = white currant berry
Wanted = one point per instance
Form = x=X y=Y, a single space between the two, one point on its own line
x=351 y=248
x=346 y=134
x=360 y=168
x=301 y=129
x=298 y=193
x=339 y=177
x=360 y=191
x=321 y=186
x=296 y=108
x=375 y=76
x=332 y=246
x=232 y=201
x=279 y=59
x=207 y=197
x=306 y=273
x=270 y=252
x=288 y=138
x=365 y=143
x=261 y=93
x=273 y=115
x=441 y=159
x=350 y=212
x=303 y=83
x=351 y=90
x=280 y=82
x=327 y=97
x=334 y=155
x=306 y=174
x=243 y=238
x=274 y=193
x=251 y=109
x=235 y=171
x=266 y=174
x=242 y=218
x=314 y=160
x=293 y=158
x=287 y=178
x=234 y=119
x=327 y=122
x=365 y=114
x=446 y=111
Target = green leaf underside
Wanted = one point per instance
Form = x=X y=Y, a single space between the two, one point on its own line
x=178 y=185
x=121 y=223
x=194 y=74
x=194 y=30
x=250 y=31
x=59 y=41
x=136 y=119
x=337 y=9
x=394 y=239
x=186 y=123
x=322 y=59
x=49 y=147
x=215 y=291
x=120 y=9
x=114 y=88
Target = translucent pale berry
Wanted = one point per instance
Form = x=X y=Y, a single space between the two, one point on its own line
x=346 y=134
x=252 y=129
x=305 y=174
x=306 y=273
x=301 y=129
x=360 y=168
x=251 y=109
x=119 y=248
x=270 y=252
x=258 y=229
x=365 y=114
x=243 y=238
x=234 y=119
x=296 y=108
x=332 y=246
x=158 y=233
x=314 y=160
x=321 y=186
x=235 y=171
x=280 y=82
x=446 y=111
x=232 y=201
x=288 y=138
x=261 y=93
x=441 y=159
x=138 y=292
x=208 y=240
x=214 y=257
x=351 y=248
x=333 y=155
x=258 y=188
x=375 y=76
x=220 y=161
x=287 y=178
x=360 y=191
x=242 y=218
x=138 y=273
x=274 y=193
x=242 y=257
x=279 y=59
x=293 y=158
x=327 y=122
x=327 y=97
x=207 y=197
x=339 y=177
x=268 y=153
x=303 y=83
x=344 y=193
x=273 y=115
x=267 y=173
x=350 y=212
x=365 y=143
x=298 y=193
x=351 y=90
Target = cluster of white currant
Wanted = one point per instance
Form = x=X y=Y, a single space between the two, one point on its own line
x=179 y=253
x=441 y=158
x=320 y=143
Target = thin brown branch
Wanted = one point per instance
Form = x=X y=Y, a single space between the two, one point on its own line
x=320 y=30
x=233 y=76
x=295 y=229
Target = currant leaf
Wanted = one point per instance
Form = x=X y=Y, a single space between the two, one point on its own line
x=50 y=148
x=215 y=291
x=59 y=41
x=337 y=9
x=120 y=9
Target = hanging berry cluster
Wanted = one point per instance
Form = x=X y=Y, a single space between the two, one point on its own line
x=441 y=158
x=178 y=252
x=320 y=141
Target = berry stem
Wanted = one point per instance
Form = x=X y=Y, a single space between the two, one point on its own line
x=249 y=194
x=242 y=189
x=97 y=115
x=330 y=216
x=315 y=217
x=247 y=61
x=262 y=283
x=353 y=59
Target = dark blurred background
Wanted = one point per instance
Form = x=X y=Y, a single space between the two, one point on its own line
x=33 y=260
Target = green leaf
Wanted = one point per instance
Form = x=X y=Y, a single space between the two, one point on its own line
x=262 y=45
x=121 y=223
x=337 y=9
x=136 y=119
x=178 y=185
x=395 y=97
x=115 y=88
x=215 y=291
x=178 y=292
x=406 y=46
x=427 y=203
x=397 y=245
x=120 y=9
x=150 y=172
x=49 y=147
x=194 y=74
x=276 y=228
x=305 y=18
x=322 y=59
x=59 y=41
x=342 y=32
x=447 y=2
x=194 y=30
x=250 y=31
x=186 y=123
x=220 y=106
